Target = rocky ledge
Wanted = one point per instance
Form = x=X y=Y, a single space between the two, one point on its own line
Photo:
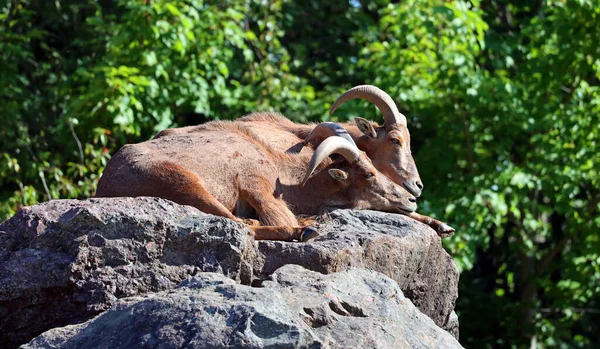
x=66 y=262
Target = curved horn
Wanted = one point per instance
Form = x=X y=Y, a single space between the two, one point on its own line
x=375 y=95
x=328 y=129
x=331 y=145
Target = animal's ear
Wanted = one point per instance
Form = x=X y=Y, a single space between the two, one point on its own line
x=365 y=126
x=338 y=175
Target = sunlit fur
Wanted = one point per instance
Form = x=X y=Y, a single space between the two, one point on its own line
x=393 y=160
x=233 y=168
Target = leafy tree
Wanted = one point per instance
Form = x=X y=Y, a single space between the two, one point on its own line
x=83 y=78
x=506 y=95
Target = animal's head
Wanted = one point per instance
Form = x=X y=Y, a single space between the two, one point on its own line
x=360 y=184
x=388 y=146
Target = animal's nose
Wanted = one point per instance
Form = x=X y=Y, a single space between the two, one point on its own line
x=412 y=199
x=419 y=184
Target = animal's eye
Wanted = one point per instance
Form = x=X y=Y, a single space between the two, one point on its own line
x=395 y=141
x=369 y=175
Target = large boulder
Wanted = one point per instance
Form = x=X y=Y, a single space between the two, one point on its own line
x=407 y=251
x=65 y=261
x=357 y=308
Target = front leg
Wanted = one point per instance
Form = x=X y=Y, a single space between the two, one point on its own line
x=277 y=221
x=441 y=228
x=281 y=233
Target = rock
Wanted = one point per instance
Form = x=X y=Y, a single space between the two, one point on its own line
x=65 y=261
x=356 y=308
x=407 y=251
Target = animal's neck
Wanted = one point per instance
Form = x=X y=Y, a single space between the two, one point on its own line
x=303 y=130
x=362 y=142
x=352 y=129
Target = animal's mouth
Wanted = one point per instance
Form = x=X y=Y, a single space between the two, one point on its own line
x=405 y=211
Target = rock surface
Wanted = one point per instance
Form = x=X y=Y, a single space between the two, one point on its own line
x=65 y=261
x=407 y=251
x=357 y=308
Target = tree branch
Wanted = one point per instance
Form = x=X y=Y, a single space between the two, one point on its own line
x=552 y=254
x=76 y=140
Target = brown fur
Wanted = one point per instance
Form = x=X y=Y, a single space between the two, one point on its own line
x=223 y=167
x=394 y=161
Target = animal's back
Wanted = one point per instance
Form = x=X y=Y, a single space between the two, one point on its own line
x=272 y=128
x=162 y=166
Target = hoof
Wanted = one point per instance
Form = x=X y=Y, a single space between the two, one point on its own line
x=445 y=231
x=308 y=233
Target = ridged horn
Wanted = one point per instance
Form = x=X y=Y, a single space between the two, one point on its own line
x=328 y=129
x=331 y=145
x=375 y=95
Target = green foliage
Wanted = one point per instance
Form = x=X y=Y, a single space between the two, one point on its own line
x=502 y=100
x=81 y=79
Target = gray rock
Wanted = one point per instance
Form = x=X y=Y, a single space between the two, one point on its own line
x=356 y=308
x=65 y=261
x=407 y=251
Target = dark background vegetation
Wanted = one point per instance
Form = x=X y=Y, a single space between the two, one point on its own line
x=502 y=99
